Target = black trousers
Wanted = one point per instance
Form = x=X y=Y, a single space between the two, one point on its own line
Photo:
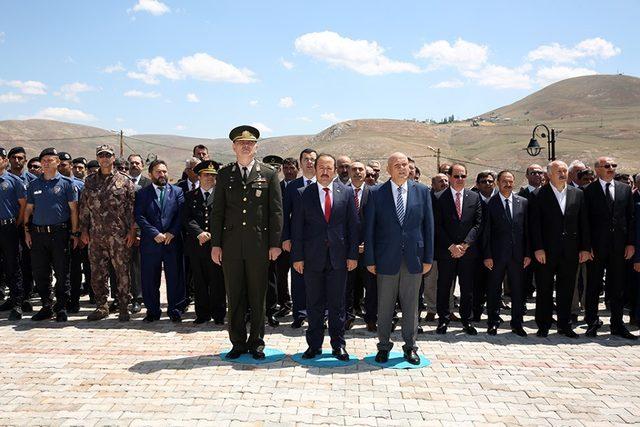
x=271 y=299
x=79 y=261
x=283 y=265
x=134 y=275
x=564 y=269
x=356 y=283
x=614 y=263
x=10 y=255
x=51 y=251
x=25 y=266
x=481 y=288
x=370 y=298
x=464 y=268
x=515 y=274
x=208 y=281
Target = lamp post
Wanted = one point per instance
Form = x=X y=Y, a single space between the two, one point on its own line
x=533 y=149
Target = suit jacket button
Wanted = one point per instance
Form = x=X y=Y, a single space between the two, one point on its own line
x=244 y=211
x=244 y=199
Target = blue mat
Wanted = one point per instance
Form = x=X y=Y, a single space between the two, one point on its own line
x=396 y=361
x=271 y=355
x=324 y=360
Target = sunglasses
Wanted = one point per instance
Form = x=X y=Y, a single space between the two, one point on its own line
x=104 y=155
x=486 y=181
x=370 y=175
x=610 y=165
x=536 y=173
x=459 y=176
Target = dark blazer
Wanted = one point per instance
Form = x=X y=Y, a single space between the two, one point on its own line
x=504 y=240
x=196 y=213
x=312 y=235
x=289 y=201
x=152 y=220
x=557 y=234
x=636 y=203
x=452 y=230
x=610 y=230
x=184 y=185
x=366 y=189
x=386 y=241
x=143 y=182
x=525 y=192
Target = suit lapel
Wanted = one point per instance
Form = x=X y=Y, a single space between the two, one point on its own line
x=155 y=197
x=314 y=191
x=389 y=193
x=337 y=196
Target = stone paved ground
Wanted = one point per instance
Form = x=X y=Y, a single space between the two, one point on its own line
x=109 y=373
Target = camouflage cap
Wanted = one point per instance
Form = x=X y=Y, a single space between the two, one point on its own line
x=105 y=148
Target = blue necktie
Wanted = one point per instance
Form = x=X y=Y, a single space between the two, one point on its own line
x=400 y=206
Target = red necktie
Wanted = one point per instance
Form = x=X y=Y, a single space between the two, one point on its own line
x=327 y=205
x=458 y=206
x=356 y=197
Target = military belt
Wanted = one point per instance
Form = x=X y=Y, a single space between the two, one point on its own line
x=50 y=228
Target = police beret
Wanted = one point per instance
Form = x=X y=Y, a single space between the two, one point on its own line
x=48 y=152
x=93 y=164
x=272 y=159
x=207 y=166
x=3 y=152
x=63 y=156
x=244 y=133
x=82 y=160
x=16 y=150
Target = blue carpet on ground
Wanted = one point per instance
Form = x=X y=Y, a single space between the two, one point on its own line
x=271 y=355
x=396 y=361
x=324 y=360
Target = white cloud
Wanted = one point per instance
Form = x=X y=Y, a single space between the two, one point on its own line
x=462 y=55
x=331 y=117
x=548 y=75
x=448 y=84
x=286 y=102
x=154 y=7
x=304 y=119
x=115 y=68
x=200 y=66
x=29 y=87
x=262 y=127
x=597 y=48
x=253 y=103
x=181 y=127
x=2 y=37
x=287 y=64
x=140 y=94
x=7 y=98
x=362 y=56
x=129 y=131
x=70 y=91
x=500 y=77
x=192 y=97
x=64 y=114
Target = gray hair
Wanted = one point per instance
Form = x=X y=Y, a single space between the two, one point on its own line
x=191 y=162
x=576 y=164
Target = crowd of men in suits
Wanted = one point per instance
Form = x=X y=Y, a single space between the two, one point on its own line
x=229 y=237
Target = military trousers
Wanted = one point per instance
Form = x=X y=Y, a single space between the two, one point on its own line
x=105 y=252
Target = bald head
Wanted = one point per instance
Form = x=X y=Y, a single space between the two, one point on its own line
x=605 y=168
x=343 y=164
x=558 y=172
x=398 y=168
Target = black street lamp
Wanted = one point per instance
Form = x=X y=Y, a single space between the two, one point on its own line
x=533 y=149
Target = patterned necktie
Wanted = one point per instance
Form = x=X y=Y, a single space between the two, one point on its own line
x=400 y=206
x=327 y=205
x=507 y=210
x=458 y=206
x=356 y=198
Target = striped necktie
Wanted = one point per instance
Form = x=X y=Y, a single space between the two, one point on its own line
x=400 y=206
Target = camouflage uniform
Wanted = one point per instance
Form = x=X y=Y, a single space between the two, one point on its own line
x=106 y=212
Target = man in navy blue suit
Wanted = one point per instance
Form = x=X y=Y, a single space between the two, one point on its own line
x=398 y=247
x=298 y=299
x=325 y=239
x=157 y=211
x=506 y=251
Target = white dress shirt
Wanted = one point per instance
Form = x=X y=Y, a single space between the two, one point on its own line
x=561 y=196
x=453 y=193
x=322 y=193
x=249 y=168
x=308 y=181
x=192 y=186
x=510 y=198
x=210 y=191
x=394 y=191
x=532 y=188
x=358 y=193
x=612 y=190
x=136 y=179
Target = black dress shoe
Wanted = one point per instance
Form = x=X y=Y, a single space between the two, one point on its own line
x=284 y=311
x=382 y=356
x=542 y=333
x=519 y=331
x=623 y=333
x=135 y=307
x=297 y=323
x=592 y=330
x=45 y=313
x=311 y=353
x=257 y=354
x=7 y=305
x=175 y=317
x=218 y=321
x=420 y=330
x=15 y=314
x=73 y=307
x=412 y=357
x=349 y=324
x=372 y=327
x=469 y=329
x=61 y=316
x=150 y=318
x=201 y=320
x=234 y=353
x=569 y=333
x=492 y=330
x=430 y=317
x=272 y=321
x=340 y=354
x=26 y=307
x=441 y=329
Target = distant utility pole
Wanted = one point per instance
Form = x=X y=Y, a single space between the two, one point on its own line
x=121 y=144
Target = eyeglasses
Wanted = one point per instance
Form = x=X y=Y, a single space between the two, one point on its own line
x=486 y=181
x=459 y=176
x=609 y=165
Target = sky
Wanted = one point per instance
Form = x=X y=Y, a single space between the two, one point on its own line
x=200 y=68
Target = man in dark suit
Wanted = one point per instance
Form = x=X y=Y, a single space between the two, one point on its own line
x=246 y=226
x=398 y=248
x=559 y=231
x=506 y=251
x=136 y=165
x=298 y=297
x=611 y=224
x=157 y=210
x=208 y=280
x=534 y=176
x=458 y=218
x=359 y=278
x=325 y=240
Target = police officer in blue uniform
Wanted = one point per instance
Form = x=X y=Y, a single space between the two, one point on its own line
x=12 y=205
x=52 y=199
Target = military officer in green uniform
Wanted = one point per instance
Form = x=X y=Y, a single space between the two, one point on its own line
x=246 y=223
